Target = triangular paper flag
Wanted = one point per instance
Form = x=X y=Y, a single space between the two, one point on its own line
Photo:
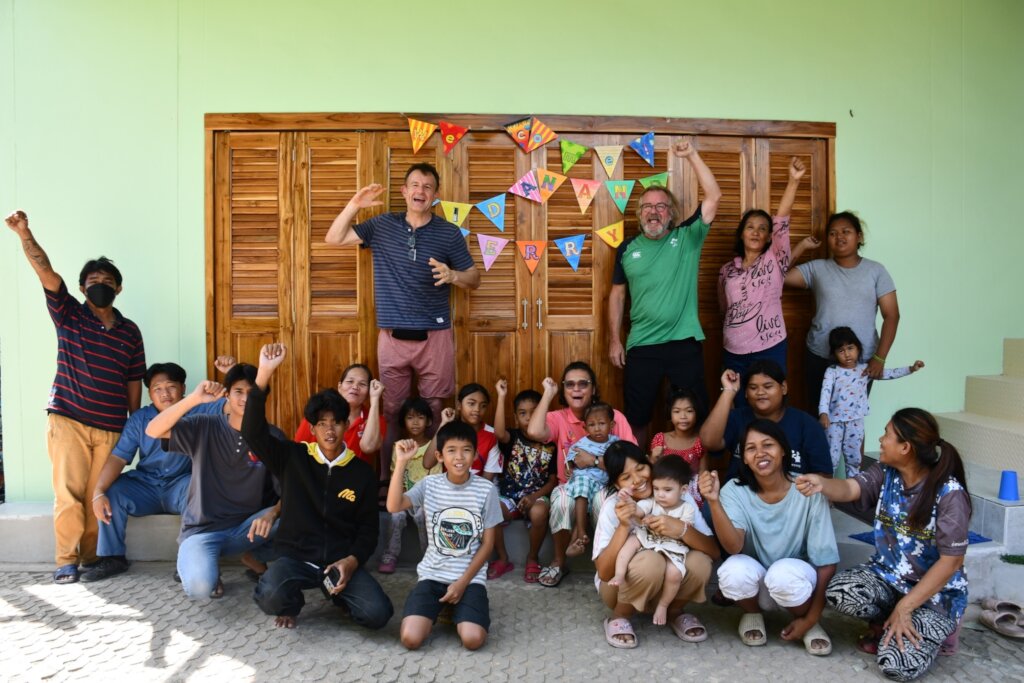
x=612 y=234
x=451 y=134
x=494 y=209
x=620 y=191
x=455 y=212
x=420 y=131
x=548 y=182
x=531 y=251
x=464 y=231
x=571 y=153
x=585 y=191
x=643 y=145
x=520 y=132
x=571 y=248
x=490 y=248
x=657 y=180
x=526 y=187
x=608 y=155
x=540 y=134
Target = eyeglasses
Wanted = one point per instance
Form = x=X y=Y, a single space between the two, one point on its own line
x=412 y=246
x=660 y=206
x=578 y=384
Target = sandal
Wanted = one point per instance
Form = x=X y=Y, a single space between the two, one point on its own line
x=218 y=590
x=814 y=633
x=532 y=573
x=1003 y=606
x=749 y=623
x=552 y=576
x=688 y=622
x=498 y=569
x=868 y=643
x=67 y=573
x=1003 y=623
x=619 y=627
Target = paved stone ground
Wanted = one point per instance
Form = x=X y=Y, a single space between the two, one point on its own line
x=139 y=627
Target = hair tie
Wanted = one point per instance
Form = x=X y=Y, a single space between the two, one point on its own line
x=938 y=449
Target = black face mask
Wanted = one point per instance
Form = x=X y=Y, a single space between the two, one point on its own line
x=100 y=295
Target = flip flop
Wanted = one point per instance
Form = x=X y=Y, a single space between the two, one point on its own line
x=752 y=622
x=67 y=573
x=814 y=633
x=552 y=576
x=218 y=590
x=498 y=569
x=1003 y=623
x=532 y=572
x=1003 y=607
x=868 y=643
x=688 y=622
x=619 y=627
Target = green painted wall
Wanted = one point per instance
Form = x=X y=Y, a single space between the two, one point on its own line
x=101 y=138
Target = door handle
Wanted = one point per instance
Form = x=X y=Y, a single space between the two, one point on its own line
x=526 y=313
x=540 y=302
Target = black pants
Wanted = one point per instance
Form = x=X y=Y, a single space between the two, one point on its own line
x=681 y=361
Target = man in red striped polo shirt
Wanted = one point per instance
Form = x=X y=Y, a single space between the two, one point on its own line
x=100 y=364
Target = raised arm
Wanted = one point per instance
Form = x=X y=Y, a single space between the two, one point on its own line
x=808 y=243
x=372 y=438
x=794 y=278
x=728 y=535
x=430 y=455
x=341 y=232
x=205 y=392
x=538 y=427
x=616 y=308
x=501 y=390
x=397 y=500
x=796 y=172
x=890 y=308
x=706 y=179
x=271 y=357
x=18 y=222
x=712 y=432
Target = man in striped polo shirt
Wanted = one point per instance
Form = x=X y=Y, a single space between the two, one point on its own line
x=417 y=257
x=100 y=364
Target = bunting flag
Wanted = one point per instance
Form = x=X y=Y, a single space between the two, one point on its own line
x=540 y=134
x=643 y=145
x=585 y=191
x=571 y=248
x=609 y=155
x=451 y=134
x=571 y=153
x=657 y=180
x=548 y=182
x=420 y=132
x=620 y=191
x=531 y=251
x=520 y=132
x=612 y=234
x=455 y=212
x=490 y=248
x=494 y=209
x=464 y=231
x=526 y=187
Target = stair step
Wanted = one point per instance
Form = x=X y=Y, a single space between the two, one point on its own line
x=996 y=396
x=1013 y=357
x=990 y=441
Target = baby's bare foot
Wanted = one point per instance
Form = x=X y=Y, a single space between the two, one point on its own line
x=660 y=615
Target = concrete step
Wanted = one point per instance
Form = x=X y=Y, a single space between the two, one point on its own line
x=1013 y=357
x=999 y=396
x=990 y=441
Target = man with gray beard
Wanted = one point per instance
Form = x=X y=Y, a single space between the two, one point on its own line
x=659 y=266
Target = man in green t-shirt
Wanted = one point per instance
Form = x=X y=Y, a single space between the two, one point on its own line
x=659 y=266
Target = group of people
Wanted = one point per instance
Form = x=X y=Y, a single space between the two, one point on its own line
x=746 y=481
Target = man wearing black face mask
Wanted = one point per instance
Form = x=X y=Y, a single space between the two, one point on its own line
x=100 y=364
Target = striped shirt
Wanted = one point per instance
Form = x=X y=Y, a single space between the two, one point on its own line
x=94 y=364
x=456 y=515
x=403 y=282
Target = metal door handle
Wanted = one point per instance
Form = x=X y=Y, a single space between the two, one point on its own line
x=526 y=313
x=540 y=302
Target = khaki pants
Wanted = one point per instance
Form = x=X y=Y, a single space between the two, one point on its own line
x=645 y=576
x=77 y=453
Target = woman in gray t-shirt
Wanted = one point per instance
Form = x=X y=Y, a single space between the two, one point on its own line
x=849 y=290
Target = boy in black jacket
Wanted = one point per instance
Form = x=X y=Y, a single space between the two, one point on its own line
x=328 y=513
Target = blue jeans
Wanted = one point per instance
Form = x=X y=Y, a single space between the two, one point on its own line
x=132 y=494
x=741 y=362
x=279 y=592
x=199 y=554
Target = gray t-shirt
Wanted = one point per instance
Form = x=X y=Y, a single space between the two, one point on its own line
x=228 y=484
x=456 y=515
x=797 y=526
x=845 y=297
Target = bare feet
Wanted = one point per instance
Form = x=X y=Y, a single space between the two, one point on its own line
x=617 y=580
x=578 y=544
x=661 y=615
x=284 y=622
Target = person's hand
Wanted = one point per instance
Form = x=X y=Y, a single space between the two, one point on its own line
x=376 y=390
x=823 y=419
x=443 y=273
x=526 y=502
x=684 y=149
x=346 y=568
x=625 y=509
x=809 y=484
x=656 y=453
x=501 y=388
x=731 y=381
x=17 y=221
x=454 y=592
x=617 y=354
x=798 y=628
x=404 y=450
x=550 y=387
x=101 y=507
x=262 y=525
x=874 y=368
x=810 y=243
x=272 y=355
x=900 y=627
x=663 y=525
x=708 y=485
x=224 y=363
x=208 y=391
x=918 y=364
x=367 y=196
x=447 y=415
x=584 y=458
x=796 y=169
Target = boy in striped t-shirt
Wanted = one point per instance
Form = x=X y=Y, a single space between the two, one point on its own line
x=461 y=511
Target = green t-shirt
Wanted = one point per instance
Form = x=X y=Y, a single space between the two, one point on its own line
x=662 y=279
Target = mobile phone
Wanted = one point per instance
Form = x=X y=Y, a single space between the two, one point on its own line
x=332 y=579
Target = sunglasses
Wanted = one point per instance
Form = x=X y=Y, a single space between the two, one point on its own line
x=578 y=384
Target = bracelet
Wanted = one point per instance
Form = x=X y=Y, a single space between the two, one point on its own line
x=878 y=358
x=98 y=496
x=729 y=389
x=686 y=527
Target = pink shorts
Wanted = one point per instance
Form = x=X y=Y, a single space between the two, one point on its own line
x=433 y=362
